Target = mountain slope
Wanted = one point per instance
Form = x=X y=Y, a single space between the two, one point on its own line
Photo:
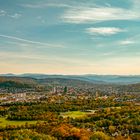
x=98 y=79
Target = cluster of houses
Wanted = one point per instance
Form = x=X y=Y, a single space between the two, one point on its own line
x=19 y=97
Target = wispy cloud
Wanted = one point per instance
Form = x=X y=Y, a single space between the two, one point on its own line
x=2 y=12
x=32 y=42
x=130 y=40
x=97 y=14
x=89 y=12
x=34 y=57
x=127 y=42
x=41 y=19
x=44 y=5
x=16 y=16
x=108 y=53
x=104 y=31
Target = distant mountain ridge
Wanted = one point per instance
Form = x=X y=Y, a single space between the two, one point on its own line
x=28 y=82
x=92 y=78
x=18 y=84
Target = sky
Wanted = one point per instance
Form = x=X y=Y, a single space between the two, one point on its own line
x=70 y=36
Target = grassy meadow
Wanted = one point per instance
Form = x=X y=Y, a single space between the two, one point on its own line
x=4 y=122
x=75 y=114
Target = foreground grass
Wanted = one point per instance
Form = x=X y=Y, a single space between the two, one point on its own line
x=4 y=122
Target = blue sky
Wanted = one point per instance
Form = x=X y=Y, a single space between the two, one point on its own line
x=70 y=36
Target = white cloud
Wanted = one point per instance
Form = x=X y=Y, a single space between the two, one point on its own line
x=44 y=5
x=107 y=53
x=42 y=20
x=98 y=14
x=16 y=15
x=2 y=13
x=127 y=42
x=42 y=58
x=85 y=12
x=32 y=42
x=104 y=31
x=5 y=13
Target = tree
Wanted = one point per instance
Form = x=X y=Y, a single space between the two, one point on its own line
x=99 y=136
x=65 y=90
x=112 y=129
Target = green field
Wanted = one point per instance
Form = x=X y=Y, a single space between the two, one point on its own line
x=75 y=114
x=4 y=122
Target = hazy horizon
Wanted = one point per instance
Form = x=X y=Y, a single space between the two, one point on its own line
x=70 y=74
x=70 y=37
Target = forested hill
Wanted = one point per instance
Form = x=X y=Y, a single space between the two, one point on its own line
x=18 y=79
x=17 y=82
x=29 y=82
x=26 y=82
x=99 y=79
x=65 y=82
